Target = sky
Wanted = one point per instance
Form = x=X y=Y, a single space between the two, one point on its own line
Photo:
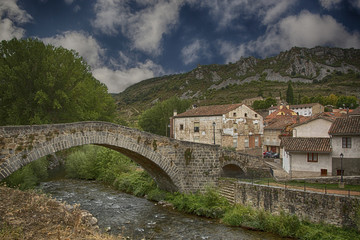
x=126 y=41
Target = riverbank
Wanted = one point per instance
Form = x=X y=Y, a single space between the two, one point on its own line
x=29 y=215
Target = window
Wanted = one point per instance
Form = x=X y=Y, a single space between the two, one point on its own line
x=235 y=142
x=181 y=126
x=312 y=157
x=246 y=142
x=196 y=127
x=245 y=114
x=256 y=141
x=234 y=114
x=255 y=115
x=346 y=142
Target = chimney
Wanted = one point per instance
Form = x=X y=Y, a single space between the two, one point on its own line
x=175 y=113
x=298 y=118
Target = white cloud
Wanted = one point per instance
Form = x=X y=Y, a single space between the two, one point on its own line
x=268 y=11
x=119 y=80
x=329 y=4
x=192 y=52
x=145 y=27
x=10 y=17
x=304 y=30
x=231 y=52
x=83 y=43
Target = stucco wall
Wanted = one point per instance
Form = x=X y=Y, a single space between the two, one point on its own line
x=315 y=128
x=300 y=167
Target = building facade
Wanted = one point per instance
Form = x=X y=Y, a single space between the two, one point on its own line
x=234 y=125
x=307 y=110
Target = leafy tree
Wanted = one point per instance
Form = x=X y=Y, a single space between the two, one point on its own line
x=264 y=104
x=44 y=84
x=290 y=94
x=156 y=119
x=347 y=102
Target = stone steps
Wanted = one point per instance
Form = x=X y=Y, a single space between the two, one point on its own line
x=227 y=190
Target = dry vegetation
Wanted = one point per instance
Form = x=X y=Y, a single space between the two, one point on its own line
x=29 y=215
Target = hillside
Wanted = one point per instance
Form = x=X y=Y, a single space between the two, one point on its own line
x=319 y=70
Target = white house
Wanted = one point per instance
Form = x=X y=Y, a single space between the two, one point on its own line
x=306 y=157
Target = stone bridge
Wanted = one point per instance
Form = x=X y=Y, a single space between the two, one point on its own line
x=175 y=165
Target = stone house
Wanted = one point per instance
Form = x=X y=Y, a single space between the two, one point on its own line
x=233 y=125
x=345 y=140
x=309 y=109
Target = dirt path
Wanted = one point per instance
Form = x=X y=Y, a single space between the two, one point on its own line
x=28 y=215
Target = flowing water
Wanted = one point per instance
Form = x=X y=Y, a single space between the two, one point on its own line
x=138 y=218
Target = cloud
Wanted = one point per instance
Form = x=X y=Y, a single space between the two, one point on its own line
x=84 y=44
x=119 y=80
x=226 y=12
x=329 y=4
x=304 y=30
x=145 y=27
x=10 y=17
x=192 y=52
x=356 y=4
x=231 y=52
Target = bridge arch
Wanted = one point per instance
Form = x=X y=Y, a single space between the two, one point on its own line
x=26 y=144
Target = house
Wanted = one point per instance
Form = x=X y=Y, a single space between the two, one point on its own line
x=316 y=126
x=308 y=151
x=233 y=125
x=277 y=125
x=306 y=157
x=345 y=140
x=309 y=109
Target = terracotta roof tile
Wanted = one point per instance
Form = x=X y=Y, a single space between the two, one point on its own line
x=298 y=144
x=345 y=126
x=213 y=110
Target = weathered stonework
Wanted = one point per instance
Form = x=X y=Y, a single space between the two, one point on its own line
x=175 y=165
x=316 y=207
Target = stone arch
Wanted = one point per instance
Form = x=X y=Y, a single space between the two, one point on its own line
x=232 y=170
x=158 y=166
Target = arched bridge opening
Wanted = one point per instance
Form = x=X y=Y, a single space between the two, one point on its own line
x=232 y=171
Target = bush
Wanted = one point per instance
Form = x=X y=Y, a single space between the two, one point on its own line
x=138 y=183
x=209 y=204
x=29 y=176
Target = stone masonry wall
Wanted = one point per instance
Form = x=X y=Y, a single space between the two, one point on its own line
x=316 y=207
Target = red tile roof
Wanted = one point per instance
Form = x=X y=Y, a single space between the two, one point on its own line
x=298 y=144
x=213 y=110
x=345 y=126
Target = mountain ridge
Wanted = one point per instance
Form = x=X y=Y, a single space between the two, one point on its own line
x=323 y=69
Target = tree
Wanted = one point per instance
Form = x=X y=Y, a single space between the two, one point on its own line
x=156 y=119
x=347 y=102
x=42 y=84
x=290 y=94
x=264 y=104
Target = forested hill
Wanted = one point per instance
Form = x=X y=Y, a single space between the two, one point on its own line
x=319 y=70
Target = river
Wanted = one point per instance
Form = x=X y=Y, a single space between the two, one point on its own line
x=138 y=218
